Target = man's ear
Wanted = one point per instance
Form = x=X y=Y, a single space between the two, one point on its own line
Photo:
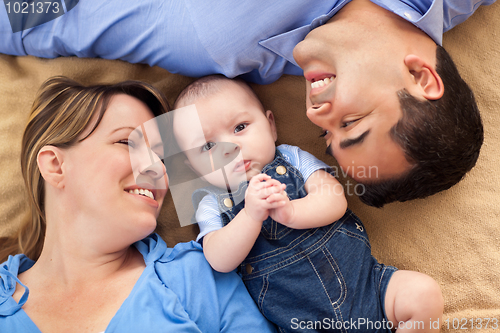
x=270 y=118
x=50 y=162
x=428 y=83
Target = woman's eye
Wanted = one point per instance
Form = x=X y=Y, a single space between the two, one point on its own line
x=240 y=128
x=159 y=155
x=207 y=146
x=127 y=142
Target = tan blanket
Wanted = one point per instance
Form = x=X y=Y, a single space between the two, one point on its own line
x=453 y=236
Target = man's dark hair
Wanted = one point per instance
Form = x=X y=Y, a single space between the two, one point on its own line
x=440 y=138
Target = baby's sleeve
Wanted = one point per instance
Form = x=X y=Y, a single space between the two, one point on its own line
x=208 y=216
x=305 y=162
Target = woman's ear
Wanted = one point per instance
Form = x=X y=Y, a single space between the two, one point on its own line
x=50 y=162
x=270 y=118
x=426 y=81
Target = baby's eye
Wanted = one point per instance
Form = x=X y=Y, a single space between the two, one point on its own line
x=207 y=146
x=240 y=128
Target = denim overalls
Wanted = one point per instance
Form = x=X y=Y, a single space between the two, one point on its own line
x=311 y=280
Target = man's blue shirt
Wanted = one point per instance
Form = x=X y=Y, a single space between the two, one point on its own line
x=196 y=38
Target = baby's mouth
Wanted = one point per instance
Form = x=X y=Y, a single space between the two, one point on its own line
x=242 y=166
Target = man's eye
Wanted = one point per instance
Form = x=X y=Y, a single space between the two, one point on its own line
x=349 y=123
x=325 y=133
x=207 y=146
x=240 y=128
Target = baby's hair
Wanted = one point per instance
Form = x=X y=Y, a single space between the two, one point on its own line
x=207 y=86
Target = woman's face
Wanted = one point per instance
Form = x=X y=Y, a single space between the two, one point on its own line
x=100 y=182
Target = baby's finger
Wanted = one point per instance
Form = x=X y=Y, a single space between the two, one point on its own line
x=277 y=198
x=272 y=182
x=267 y=191
x=260 y=187
x=259 y=178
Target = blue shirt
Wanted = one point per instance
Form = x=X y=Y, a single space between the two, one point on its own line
x=208 y=215
x=253 y=38
x=177 y=292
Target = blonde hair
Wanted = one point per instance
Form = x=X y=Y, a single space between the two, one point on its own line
x=62 y=110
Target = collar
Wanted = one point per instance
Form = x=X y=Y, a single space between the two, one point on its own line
x=418 y=12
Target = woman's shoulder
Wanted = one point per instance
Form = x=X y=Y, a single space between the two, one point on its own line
x=9 y=271
x=183 y=269
x=185 y=257
x=14 y=266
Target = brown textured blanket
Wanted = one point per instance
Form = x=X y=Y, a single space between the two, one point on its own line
x=453 y=236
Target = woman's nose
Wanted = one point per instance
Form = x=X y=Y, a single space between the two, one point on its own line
x=155 y=170
x=152 y=171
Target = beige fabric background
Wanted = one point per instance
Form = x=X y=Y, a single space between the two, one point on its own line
x=453 y=236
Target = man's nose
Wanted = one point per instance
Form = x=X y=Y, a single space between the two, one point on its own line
x=301 y=54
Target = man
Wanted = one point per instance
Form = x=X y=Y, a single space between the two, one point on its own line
x=387 y=95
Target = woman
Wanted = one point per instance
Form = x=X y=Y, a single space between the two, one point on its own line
x=88 y=263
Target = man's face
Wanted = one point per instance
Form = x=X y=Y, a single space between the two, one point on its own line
x=352 y=86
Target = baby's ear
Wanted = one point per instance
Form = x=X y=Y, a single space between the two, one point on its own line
x=50 y=161
x=270 y=118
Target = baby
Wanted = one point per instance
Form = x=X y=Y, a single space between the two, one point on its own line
x=279 y=216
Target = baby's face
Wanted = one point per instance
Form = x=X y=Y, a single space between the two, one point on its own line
x=237 y=134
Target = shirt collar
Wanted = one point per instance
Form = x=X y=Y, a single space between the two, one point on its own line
x=283 y=44
x=427 y=15
x=424 y=14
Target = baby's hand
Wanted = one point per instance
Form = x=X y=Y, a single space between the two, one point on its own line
x=260 y=188
x=284 y=212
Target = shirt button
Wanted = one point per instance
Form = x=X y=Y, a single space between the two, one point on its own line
x=249 y=268
x=281 y=170
x=228 y=203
